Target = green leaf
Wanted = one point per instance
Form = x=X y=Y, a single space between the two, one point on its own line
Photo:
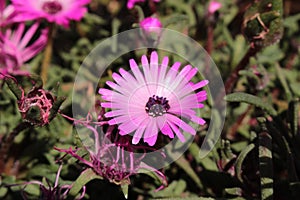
x=207 y=162
x=14 y=87
x=265 y=165
x=185 y=165
x=240 y=160
x=32 y=189
x=124 y=188
x=152 y=174
x=3 y=191
x=283 y=81
x=251 y=99
x=175 y=189
x=234 y=191
x=85 y=177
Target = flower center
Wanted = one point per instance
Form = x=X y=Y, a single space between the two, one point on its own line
x=157 y=106
x=52 y=7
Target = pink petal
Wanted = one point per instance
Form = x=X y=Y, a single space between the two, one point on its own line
x=165 y=128
x=151 y=132
x=154 y=66
x=136 y=71
x=118 y=120
x=138 y=135
x=177 y=132
x=184 y=126
x=198 y=120
x=200 y=84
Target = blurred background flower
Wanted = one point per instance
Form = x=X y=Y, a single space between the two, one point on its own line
x=213 y=6
x=54 y=11
x=151 y=25
x=6 y=13
x=18 y=45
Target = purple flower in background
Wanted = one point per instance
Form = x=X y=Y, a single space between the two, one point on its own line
x=214 y=6
x=154 y=99
x=131 y=3
x=151 y=25
x=14 y=48
x=55 y=11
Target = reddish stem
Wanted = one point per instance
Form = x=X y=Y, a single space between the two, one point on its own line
x=233 y=78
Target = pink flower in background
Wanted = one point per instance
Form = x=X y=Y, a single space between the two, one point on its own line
x=131 y=3
x=151 y=25
x=56 y=11
x=6 y=13
x=154 y=100
x=14 y=48
x=214 y=6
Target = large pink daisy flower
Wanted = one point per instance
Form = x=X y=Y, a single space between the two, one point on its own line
x=57 y=11
x=154 y=100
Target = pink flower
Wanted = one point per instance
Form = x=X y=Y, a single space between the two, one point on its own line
x=55 y=11
x=154 y=100
x=6 y=13
x=151 y=25
x=14 y=48
x=214 y=6
x=131 y=3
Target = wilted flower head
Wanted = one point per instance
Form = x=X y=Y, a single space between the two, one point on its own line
x=113 y=157
x=15 y=49
x=131 y=3
x=151 y=25
x=214 y=6
x=56 y=192
x=56 y=11
x=38 y=106
x=154 y=100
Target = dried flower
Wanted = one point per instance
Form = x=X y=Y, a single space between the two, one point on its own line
x=151 y=25
x=55 y=11
x=154 y=101
x=113 y=157
x=14 y=48
x=39 y=106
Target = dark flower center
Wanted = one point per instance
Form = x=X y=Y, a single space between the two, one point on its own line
x=157 y=106
x=52 y=7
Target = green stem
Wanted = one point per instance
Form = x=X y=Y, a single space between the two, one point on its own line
x=47 y=54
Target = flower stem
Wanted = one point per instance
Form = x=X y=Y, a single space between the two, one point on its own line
x=47 y=54
x=7 y=141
